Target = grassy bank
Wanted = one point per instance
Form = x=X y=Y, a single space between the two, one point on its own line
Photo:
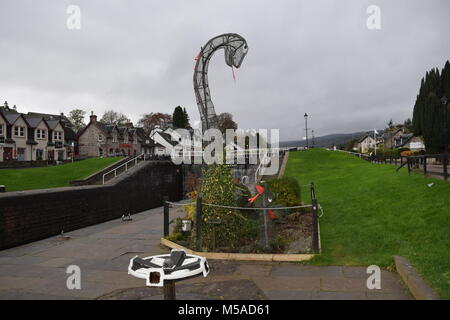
x=373 y=213
x=53 y=176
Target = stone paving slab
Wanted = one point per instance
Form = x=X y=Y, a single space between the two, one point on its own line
x=38 y=270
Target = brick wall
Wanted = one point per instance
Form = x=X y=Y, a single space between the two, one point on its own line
x=36 y=214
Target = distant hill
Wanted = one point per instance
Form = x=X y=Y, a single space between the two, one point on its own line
x=328 y=141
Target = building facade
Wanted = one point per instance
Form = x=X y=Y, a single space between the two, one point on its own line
x=99 y=139
x=30 y=137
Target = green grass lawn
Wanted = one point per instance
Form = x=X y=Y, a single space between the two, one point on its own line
x=372 y=212
x=53 y=176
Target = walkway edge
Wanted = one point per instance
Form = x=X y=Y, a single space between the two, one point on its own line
x=242 y=256
x=283 y=165
x=417 y=286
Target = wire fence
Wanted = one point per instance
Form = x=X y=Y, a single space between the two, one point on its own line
x=266 y=226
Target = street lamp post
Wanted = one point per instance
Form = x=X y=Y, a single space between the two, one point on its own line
x=313 y=138
x=306 y=128
x=444 y=102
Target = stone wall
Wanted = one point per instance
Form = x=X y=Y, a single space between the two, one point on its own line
x=36 y=214
x=13 y=164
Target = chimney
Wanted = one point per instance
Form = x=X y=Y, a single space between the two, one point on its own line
x=93 y=117
x=6 y=105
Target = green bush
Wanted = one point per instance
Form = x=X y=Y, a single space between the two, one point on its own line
x=286 y=191
x=217 y=187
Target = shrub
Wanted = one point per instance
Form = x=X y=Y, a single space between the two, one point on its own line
x=286 y=191
x=217 y=187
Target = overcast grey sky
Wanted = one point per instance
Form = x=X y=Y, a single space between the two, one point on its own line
x=136 y=57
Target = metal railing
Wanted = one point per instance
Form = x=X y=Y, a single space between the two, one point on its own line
x=135 y=160
x=262 y=165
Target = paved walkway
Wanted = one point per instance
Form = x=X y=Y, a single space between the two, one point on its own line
x=38 y=270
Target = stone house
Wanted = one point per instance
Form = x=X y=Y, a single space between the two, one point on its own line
x=98 y=139
x=390 y=135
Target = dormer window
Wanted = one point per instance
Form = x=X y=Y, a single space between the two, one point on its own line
x=57 y=135
x=41 y=134
x=19 y=131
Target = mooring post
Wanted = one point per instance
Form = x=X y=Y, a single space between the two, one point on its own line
x=198 y=223
x=169 y=290
x=166 y=216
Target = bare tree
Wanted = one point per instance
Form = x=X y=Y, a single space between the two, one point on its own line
x=113 y=117
x=225 y=121
x=150 y=121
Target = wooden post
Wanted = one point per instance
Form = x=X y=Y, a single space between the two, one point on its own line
x=425 y=165
x=169 y=290
x=198 y=223
x=166 y=216
x=409 y=165
x=445 y=166
x=315 y=234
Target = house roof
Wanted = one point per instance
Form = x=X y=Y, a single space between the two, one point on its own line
x=49 y=117
x=52 y=123
x=168 y=138
x=404 y=138
x=11 y=117
x=34 y=121
x=69 y=133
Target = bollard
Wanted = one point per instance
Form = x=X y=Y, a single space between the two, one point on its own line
x=166 y=216
x=198 y=223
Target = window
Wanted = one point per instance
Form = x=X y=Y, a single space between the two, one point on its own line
x=100 y=152
x=19 y=131
x=1 y=130
x=41 y=133
x=57 y=135
x=100 y=138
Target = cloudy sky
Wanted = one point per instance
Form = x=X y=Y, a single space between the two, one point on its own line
x=136 y=57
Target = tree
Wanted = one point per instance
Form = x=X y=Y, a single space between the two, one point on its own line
x=429 y=115
x=113 y=117
x=150 y=121
x=180 y=118
x=225 y=121
x=76 y=116
x=408 y=125
x=186 y=118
